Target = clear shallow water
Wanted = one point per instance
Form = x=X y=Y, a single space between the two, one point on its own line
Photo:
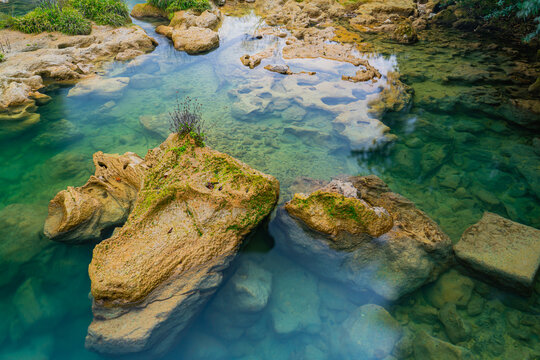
x=448 y=161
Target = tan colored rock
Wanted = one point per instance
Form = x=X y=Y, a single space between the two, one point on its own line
x=504 y=251
x=365 y=236
x=195 y=40
x=396 y=97
x=165 y=30
x=330 y=212
x=191 y=216
x=366 y=74
x=62 y=58
x=147 y=10
x=81 y=214
x=207 y=19
x=254 y=60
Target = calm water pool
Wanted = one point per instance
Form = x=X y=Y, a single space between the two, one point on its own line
x=454 y=163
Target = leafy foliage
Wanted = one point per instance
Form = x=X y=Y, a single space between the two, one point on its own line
x=2 y=56
x=186 y=119
x=177 y=5
x=53 y=18
x=71 y=17
x=103 y=12
x=520 y=9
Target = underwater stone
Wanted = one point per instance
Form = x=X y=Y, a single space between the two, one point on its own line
x=451 y=287
x=453 y=323
x=382 y=256
x=506 y=252
x=475 y=306
x=370 y=332
x=100 y=87
x=295 y=302
x=59 y=133
x=170 y=256
x=427 y=347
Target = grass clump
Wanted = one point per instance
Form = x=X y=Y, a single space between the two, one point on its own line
x=71 y=17
x=103 y=12
x=2 y=57
x=177 y=5
x=53 y=18
x=186 y=119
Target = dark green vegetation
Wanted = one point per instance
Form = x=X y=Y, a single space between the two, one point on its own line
x=177 y=5
x=103 y=12
x=72 y=17
x=513 y=10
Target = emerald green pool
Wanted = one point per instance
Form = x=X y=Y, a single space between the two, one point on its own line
x=454 y=160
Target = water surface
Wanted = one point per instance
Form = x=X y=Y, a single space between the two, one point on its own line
x=452 y=162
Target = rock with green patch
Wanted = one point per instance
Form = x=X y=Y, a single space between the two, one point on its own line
x=358 y=232
x=194 y=209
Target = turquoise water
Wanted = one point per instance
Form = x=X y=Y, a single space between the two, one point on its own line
x=452 y=161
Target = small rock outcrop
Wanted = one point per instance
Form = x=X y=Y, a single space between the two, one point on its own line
x=194 y=34
x=359 y=232
x=506 y=252
x=148 y=11
x=78 y=215
x=194 y=210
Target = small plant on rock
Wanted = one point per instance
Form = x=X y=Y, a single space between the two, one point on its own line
x=186 y=119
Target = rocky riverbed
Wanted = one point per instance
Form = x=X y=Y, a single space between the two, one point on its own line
x=447 y=104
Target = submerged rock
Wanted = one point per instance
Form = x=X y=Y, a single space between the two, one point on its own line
x=189 y=220
x=427 y=347
x=370 y=332
x=360 y=233
x=504 y=251
x=451 y=287
x=81 y=214
x=111 y=88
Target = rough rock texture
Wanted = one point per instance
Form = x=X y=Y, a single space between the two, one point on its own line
x=59 y=57
x=195 y=40
x=190 y=218
x=193 y=33
x=81 y=214
x=454 y=325
x=504 y=251
x=370 y=332
x=111 y=88
x=451 y=287
x=350 y=110
x=427 y=347
x=147 y=10
x=369 y=237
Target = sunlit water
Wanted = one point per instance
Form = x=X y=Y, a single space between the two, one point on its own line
x=453 y=165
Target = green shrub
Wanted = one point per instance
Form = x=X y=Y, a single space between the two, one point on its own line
x=511 y=9
x=54 y=18
x=2 y=57
x=103 y=12
x=177 y=5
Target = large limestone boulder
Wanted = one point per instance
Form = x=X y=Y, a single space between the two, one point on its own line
x=506 y=252
x=206 y=19
x=195 y=40
x=190 y=218
x=81 y=214
x=357 y=231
